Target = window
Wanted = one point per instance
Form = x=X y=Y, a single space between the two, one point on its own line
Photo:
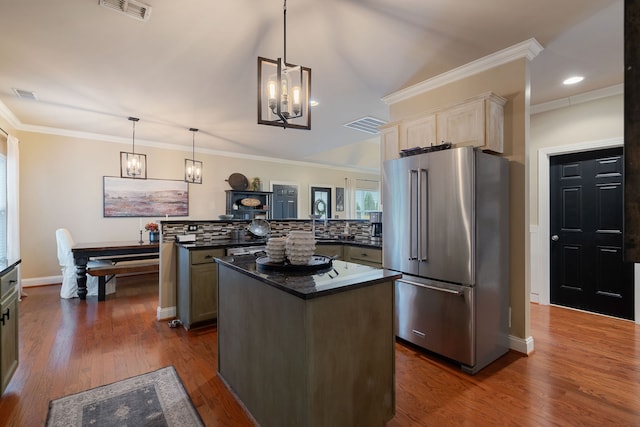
x=367 y=198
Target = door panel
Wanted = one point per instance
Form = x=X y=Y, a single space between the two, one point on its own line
x=285 y=201
x=587 y=268
x=450 y=219
x=321 y=202
x=400 y=215
x=436 y=316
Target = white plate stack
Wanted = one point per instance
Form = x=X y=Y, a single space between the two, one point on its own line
x=276 y=249
x=300 y=247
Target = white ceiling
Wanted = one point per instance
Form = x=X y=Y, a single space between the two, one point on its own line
x=194 y=64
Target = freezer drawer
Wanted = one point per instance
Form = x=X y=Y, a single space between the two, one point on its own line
x=436 y=316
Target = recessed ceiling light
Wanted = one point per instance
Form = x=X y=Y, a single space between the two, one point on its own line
x=573 y=80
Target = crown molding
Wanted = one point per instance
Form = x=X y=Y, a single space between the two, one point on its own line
x=528 y=49
x=15 y=123
x=578 y=99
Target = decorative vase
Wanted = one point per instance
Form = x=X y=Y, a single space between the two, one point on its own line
x=154 y=236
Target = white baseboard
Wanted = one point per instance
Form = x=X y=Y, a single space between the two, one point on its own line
x=41 y=281
x=166 y=313
x=524 y=346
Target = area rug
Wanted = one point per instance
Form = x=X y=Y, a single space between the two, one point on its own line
x=155 y=399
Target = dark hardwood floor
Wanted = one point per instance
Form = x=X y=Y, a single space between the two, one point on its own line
x=585 y=369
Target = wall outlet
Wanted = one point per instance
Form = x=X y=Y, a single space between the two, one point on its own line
x=192 y=227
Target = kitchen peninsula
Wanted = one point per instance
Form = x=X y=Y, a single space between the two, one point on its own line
x=308 y=349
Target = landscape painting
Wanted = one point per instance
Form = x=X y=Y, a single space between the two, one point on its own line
x=124 y=197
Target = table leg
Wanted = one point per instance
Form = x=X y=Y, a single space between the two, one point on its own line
x=81 y=273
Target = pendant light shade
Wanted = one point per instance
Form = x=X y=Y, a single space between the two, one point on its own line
x=192 y=167
x=283 y=91
x=133 y=165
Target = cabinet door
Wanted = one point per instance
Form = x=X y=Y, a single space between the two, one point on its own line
x=204 y=289
x=389 y=148
x=419 y=133
x=8 y=338
x=463 y=124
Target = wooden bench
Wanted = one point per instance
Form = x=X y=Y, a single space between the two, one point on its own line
x=107 y=272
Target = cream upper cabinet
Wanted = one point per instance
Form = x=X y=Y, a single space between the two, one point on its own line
x=419 y=132
x=389 y=147
x=478 y=122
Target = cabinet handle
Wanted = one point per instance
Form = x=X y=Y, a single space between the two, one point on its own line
x=7 y=314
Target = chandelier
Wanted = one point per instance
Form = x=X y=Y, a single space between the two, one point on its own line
x=133 y=165
x=192 y=167
x=283 y=90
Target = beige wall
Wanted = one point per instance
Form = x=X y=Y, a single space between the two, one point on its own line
x=61 y=186
x=510 y=81
x=596 y=120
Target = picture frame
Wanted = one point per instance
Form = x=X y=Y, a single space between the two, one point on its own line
x=123 y=197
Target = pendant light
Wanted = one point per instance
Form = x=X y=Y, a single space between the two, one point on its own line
x=192 y=167
x=283 y=91
x=133 y=165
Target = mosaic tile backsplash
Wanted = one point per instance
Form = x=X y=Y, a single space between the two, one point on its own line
x=210 y=231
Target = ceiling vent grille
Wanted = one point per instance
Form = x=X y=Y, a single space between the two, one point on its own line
x=367 y=124
x=25 y=94
x=131 y=8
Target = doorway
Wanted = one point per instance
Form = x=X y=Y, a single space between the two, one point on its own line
x=285 y=201
x=587 y=270
x=321 y=202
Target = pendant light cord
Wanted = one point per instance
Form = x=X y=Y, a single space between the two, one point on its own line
x=193 y=153
x=285 y=31
x=134 y=120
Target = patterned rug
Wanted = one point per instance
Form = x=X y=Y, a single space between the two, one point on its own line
x=155 y=399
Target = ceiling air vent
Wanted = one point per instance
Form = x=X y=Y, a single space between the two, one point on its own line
x=367 y=124
x=25 y=94
x=131 y=8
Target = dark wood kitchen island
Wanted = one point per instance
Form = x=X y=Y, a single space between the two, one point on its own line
x=308 y=349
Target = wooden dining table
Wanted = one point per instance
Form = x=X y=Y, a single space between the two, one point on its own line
x=111 y=251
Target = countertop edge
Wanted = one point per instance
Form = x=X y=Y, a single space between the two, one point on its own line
x=375 y=276
x=9 y=266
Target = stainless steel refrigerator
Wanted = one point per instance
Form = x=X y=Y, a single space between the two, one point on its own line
x=446 y=219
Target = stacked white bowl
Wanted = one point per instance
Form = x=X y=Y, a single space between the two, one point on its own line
x=276 y=249
x=300 y=247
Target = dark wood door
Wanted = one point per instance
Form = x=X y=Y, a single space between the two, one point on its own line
x=285 y=201
x=587 y=268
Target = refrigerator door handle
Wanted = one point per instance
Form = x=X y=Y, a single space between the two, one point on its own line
x=414 y=211
x=423 y=215
x=433 y=288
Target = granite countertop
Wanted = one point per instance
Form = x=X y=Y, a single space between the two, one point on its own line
x=7 y=265
x=340 y=276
